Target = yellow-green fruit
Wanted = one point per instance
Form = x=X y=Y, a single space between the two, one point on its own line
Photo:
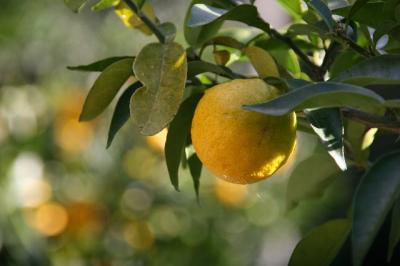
x=237 y=145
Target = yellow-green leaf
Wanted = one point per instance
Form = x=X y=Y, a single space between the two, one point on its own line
x=162 y=68
x=262 y=61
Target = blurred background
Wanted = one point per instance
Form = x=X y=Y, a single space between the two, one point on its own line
x=67 y=200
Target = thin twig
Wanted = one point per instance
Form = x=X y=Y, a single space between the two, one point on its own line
x=350 y=43
x=294 y=47
x=146 y=20
x=373 y=121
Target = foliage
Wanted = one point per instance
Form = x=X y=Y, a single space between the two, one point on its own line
x=358 y=45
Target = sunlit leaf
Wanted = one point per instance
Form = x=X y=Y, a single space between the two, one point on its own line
x=248 y=14
x=178 y=132
x=322 y=244
x=105 y=88
x=104 y=4
x=162 y=69
x=100 y=65
x=75 y=5
x=292 y=6
x=132 y=20
x=323 y=94
x=262 y=61
x=374 y=198
x=121 y=112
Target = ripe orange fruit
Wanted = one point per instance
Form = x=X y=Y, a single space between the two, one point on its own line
x=237 y=145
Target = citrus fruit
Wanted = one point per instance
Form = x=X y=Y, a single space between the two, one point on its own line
x=237 y=145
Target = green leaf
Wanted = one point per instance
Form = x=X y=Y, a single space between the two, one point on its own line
x=104 y=4
x=383 y=69
x=75 y=5
x=121 y=112
x=316 y=171
x=358 y=4
x=323 y=94
x=394 y=236
x=169 y=31
x=162 y=69
x=198 y=67
x=293 y=7
x=371 y=14
x=327 y=123
x=248 y=14
x=321 y=245
x=373 y=200
x=195 y=167
x=178 y=132
x=224 y=41
x=199 y=35
x=304 y=29
x=322 y=9
x=105 y=88
x=262 y=62
x=100 y=65
x=344 y=60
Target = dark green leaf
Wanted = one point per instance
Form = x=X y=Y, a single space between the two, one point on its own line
x=178 y=132
x=323 y=94
x=105 y=88
x=373 y=200
x=321 y=245
x=162 y=69
x=371 y=14
x=328 y=125
x=100 y=65
x=199 y=35
x=248 y=14
x=358 y=4
x=394 y=237
x=195 y=167
x=104 y=4
x=121 y=112
x=344 y=60
x=322 y=9
x=75 y=5
x=198 y=67
x=381 y=69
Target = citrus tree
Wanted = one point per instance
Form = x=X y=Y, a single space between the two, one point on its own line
x=333 y=72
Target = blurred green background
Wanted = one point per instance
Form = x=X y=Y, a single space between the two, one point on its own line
x=67 y=200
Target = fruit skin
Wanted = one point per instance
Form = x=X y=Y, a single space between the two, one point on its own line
x=237 y=145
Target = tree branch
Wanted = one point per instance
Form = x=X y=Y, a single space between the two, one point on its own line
x=350 y=43
x=372 y=120
x=296 y=49
x=146 y=20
